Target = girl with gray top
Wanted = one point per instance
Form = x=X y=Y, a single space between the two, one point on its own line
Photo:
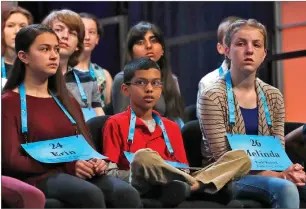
x=146 y=40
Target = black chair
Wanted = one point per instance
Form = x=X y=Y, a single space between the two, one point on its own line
x=96 y=125
x=108 y=109
x=291 y=126
x=192 y=137
x=190 y=113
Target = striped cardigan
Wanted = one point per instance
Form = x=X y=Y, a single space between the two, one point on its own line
x=213 y=114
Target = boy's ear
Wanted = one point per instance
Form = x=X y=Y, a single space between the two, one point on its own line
x=125 y=90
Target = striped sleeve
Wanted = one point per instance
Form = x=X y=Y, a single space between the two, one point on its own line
x=279 y=117
x=212 y=123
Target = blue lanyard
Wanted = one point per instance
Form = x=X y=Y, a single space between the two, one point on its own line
x=231 y=104
x=24 y=114
x=158 y=121
x=91 y=71
x=3 y=71
x=80 y=87
x=221 y=72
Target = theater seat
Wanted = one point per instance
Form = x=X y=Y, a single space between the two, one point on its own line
x=192 y=137
x=190 y=113
x=108 y=109
x=291 y=126
x=96 y=125
x=55 y=203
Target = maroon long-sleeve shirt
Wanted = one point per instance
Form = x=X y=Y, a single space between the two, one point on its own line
x=45 y=121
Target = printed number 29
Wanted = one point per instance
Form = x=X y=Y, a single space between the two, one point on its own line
x=255 y=143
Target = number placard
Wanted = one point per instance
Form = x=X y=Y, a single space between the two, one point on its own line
x=265 y=152
x=61 y=150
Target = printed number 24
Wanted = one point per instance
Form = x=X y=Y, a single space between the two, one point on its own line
x=255 y=143
x=55 y=146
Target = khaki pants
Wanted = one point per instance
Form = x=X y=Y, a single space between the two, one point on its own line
x=148 y=168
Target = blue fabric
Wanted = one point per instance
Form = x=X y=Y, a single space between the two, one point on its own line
x=250 y=117
x=179 y=122
x=274 y=192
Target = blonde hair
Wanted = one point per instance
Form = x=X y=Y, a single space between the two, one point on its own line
x=74 y=22
x=237 y=25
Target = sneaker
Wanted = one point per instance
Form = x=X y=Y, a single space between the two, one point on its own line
x=174 y=193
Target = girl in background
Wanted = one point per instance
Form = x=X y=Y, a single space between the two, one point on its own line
x=147 y=40
x=12 y=21
x=93 y=33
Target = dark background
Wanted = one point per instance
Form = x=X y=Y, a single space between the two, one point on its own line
x=190 y=62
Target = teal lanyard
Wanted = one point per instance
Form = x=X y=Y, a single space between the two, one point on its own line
x=231 y=104
x=24 y=114
x=158 y=121
x=92 y=72
x=3 y=70
x=221 y=72
x=80 y=87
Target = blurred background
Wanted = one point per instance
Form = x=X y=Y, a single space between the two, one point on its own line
x=190 y=29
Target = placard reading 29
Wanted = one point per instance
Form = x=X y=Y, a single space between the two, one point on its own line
x=61 y=150
x=265 y=152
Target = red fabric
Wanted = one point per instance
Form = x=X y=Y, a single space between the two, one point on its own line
x=45 y=121
x=17 y=194
x=115 y=135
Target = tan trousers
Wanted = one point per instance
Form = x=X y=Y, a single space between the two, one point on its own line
x=148 y=168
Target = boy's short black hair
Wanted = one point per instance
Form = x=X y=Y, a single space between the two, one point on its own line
x=142 y=63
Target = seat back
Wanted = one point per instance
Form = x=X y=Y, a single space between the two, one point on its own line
x=95 y=126
x=294 y=157
x=190 y=113
x=192 y=137
x=108 y=109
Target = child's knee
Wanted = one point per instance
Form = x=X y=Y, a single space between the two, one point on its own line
x=144 y=157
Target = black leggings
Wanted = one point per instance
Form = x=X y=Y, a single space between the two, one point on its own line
x=94 y=193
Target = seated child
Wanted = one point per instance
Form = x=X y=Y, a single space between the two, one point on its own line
x=155 y=140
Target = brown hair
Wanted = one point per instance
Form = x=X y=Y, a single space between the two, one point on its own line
x=223 y=26
x=100 y=29
x=237 y=25
x=56 y=83
x=73 y=22
x=6 y=15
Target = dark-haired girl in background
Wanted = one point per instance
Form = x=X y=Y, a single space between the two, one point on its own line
x=93 y=33
x=146 y=40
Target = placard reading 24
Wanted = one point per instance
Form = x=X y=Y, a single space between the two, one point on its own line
x=265 y=152
x=62 y=150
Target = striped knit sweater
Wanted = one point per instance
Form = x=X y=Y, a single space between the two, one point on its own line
x=213 y=114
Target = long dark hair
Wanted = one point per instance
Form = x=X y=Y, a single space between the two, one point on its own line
x=173 y=99
x=56 y=83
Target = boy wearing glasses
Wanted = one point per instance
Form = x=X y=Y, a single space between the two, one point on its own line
x=142 y=84
x=147 y=149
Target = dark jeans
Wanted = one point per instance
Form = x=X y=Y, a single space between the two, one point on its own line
x=94 y=193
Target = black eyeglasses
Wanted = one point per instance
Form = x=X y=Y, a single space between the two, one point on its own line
x=144 y=83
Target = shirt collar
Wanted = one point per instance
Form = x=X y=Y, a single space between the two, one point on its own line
x=138 y=121
x=224 y=66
